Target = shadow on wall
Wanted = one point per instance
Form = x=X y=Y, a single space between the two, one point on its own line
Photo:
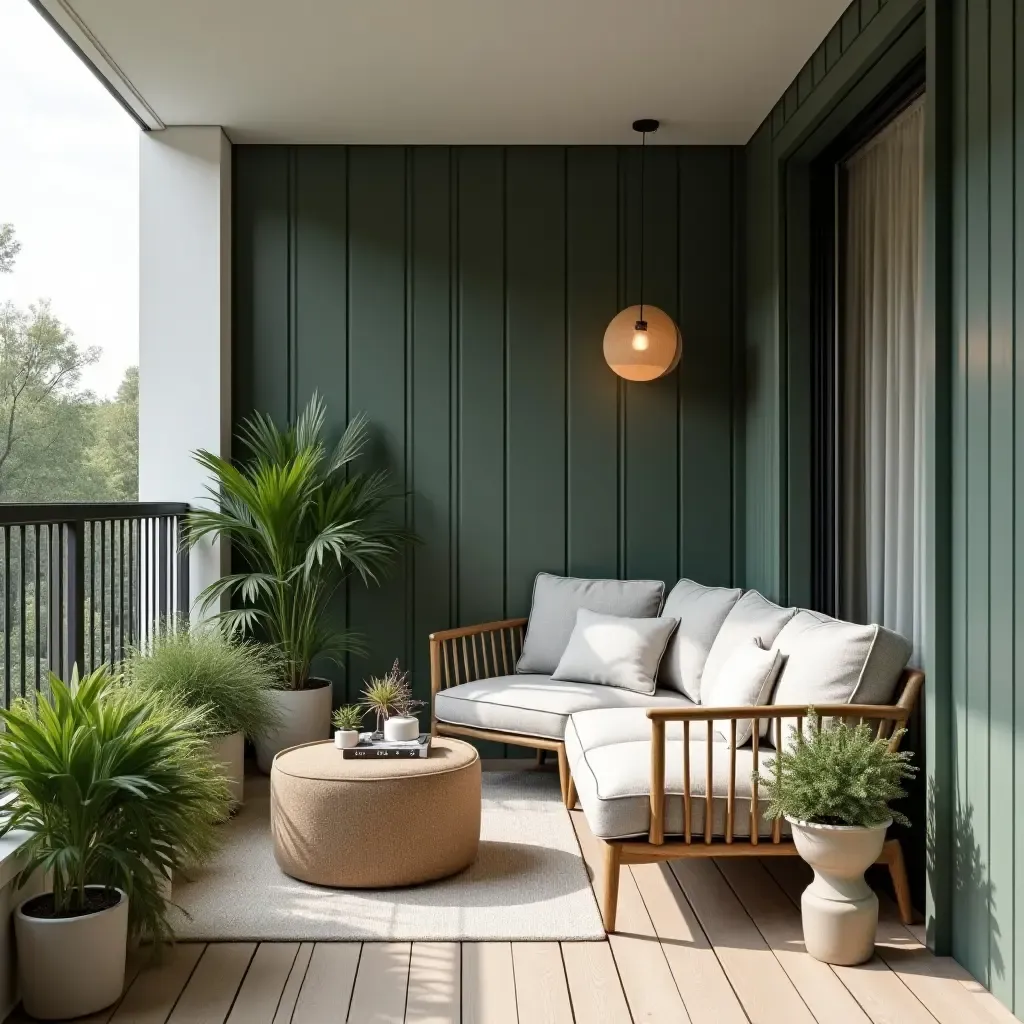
x=972 y=888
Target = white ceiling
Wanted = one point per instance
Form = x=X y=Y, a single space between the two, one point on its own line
x=453 y=71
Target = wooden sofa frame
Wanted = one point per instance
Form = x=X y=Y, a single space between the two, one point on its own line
x=492 y=649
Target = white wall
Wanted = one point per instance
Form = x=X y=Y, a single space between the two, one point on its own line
x=184 y=318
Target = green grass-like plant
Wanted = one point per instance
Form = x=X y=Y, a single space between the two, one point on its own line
x=837 y=774
x=348 y=716
x=115 y=787
x=389 y=695
x=301 y=519
x=205 y=668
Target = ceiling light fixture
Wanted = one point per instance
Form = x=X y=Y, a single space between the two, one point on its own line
x=642 y=342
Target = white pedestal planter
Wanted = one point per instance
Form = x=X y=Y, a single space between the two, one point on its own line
x=229 y=752
x=346 y=738
x=71 y=966
x=305 y=717
x=840 y=912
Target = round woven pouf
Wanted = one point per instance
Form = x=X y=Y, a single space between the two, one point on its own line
x=375 y=823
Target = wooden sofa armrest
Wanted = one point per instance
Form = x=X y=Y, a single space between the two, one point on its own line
x=891 y=718
x=468 y=653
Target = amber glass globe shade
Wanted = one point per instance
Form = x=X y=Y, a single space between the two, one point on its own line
x=642 y=349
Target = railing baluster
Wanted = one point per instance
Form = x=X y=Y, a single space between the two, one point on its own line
x=103 y=590
x=39 y=617
x=132 y=590
x=23 y=605
x=7 y=617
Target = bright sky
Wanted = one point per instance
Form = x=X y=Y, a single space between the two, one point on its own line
x=69 y=184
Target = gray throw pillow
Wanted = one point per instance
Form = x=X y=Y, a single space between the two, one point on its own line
x=701 y=612
x=745 y=680
x=612 y=650
x=557 y=599
x=751 y=616
x=828 y=661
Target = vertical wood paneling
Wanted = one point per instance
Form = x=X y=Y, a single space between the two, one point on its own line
x=535 y=312
x=651 y=426
x=429 y=353
x=459 y=296
x=592 y=392
x=1000 y=469
x=376 y=340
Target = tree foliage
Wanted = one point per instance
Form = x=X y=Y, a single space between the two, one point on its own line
x=58 y=442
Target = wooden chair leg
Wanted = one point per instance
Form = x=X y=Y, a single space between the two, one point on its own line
x=610 y=901
x=563 y=774
x=570 y=793
x=892 y=854
x=540 y=756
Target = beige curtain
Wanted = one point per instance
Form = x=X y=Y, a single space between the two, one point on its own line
x=881 y=425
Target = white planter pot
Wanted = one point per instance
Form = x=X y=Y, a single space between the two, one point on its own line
x=840 y=912
x=71 y=966
x=229 y=753
x=305 y=717
x=346 y=738
x=401 y=729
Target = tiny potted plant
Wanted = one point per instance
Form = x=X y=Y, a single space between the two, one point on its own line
x=230 y=680
x=116 y=791
x=390 y=698
x=347 y=720
x=834 y=784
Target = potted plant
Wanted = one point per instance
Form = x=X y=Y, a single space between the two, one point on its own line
x=301 y=520
x=390 y=698
x=834 y=785
x=116 y=790
x=347 y=720
x=230 y=680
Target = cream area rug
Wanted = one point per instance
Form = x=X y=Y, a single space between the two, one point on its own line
x=528 y=883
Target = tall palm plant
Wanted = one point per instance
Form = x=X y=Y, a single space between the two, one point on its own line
x=302 y=519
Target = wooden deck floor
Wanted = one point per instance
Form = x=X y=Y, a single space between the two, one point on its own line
x=700 y=941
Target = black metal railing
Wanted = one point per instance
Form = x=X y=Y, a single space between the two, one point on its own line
x=81 y=583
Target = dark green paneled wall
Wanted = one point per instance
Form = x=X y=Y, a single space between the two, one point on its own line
x=974 y=382
x=459 y=297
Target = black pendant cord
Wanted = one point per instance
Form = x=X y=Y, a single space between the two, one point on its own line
x=643 y=168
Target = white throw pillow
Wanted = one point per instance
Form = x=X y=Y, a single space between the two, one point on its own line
x=615 y=651
x=745 y=679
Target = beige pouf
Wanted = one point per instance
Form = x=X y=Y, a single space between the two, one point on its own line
x=373 y=824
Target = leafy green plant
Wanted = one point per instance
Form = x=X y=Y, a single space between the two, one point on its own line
x=349 y=716
x=390 y=695
x=838 y=774
x=115 y=787
x=204 y=668
x=302 y=520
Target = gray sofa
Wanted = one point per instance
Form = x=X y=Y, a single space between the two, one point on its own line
x=639 y=761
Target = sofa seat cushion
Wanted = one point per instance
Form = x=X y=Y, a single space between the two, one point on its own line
x=609 y=755
x=536 y=705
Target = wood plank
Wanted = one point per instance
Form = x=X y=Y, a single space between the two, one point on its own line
x=326 y=988
x=293 y=986
x=594 y=986
x=778 y=921
x=264 y=983
x=762 y=985
x=542 y=993
x=699 y=976
x=640 y=958
x=488 y=984
x=156 y=989
x=214 y=983
x=382 y=981
x=434 y=984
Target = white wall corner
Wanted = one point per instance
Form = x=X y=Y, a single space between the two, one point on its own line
x=184 y=319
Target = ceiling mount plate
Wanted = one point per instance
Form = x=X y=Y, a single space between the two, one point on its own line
x=646 y=124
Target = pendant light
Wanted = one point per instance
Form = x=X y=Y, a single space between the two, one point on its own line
x=642 y=342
